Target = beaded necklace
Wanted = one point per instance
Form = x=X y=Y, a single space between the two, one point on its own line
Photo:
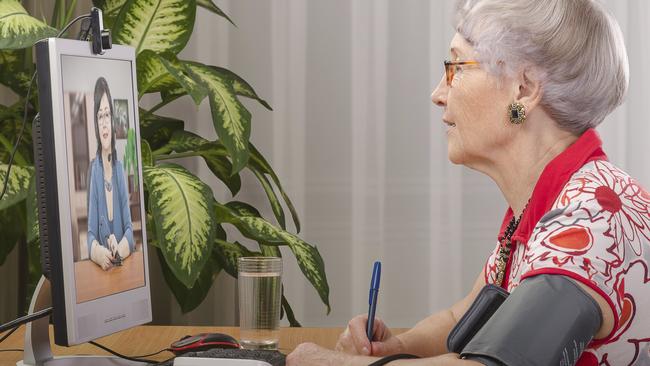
x=506 y=246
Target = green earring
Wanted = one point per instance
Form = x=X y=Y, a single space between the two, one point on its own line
x=517 y=113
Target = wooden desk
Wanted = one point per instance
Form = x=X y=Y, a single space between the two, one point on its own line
x=148 y=339
x=93 y=282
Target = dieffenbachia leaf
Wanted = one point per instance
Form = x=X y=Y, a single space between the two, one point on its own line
x=240 y=86
x=13 y=72
x=289 y=311
x=258 y=162
x=145 y=149
x=190 y=298
x=164 y=73
x=232 y=121
x=18 y=29
x=214 y=154
x=157 y=130
x=228 y=253
x=182 y=206
x=110 y=9
x=276 y=207
x=157 y=25
x=220 y=166
x=208 y=4
x=179 y=73
x=309 y=260
x=182 y=141
x=17 y=186
x=152 y=74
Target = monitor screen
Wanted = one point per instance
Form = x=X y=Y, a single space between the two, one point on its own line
x=91 y=203
x=99 y=113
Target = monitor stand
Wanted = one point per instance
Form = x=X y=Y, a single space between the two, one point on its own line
x=37 y=339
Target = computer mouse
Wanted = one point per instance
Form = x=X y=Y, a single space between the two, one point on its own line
x=203 y=342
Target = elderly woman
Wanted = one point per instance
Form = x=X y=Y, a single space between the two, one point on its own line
x=527 y=83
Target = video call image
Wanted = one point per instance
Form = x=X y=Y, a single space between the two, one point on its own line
x=104 y=190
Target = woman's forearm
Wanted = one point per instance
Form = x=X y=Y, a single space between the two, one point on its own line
x=429 y=336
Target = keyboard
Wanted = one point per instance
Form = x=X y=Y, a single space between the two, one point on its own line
x=229 y=356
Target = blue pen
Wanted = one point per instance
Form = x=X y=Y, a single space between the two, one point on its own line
x=372 y=298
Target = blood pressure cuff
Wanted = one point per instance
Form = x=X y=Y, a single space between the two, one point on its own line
x=546 y=320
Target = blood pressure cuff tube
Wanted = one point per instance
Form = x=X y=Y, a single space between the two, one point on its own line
x=546 y=320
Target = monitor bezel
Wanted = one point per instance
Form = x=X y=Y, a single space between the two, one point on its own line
x=114 y=312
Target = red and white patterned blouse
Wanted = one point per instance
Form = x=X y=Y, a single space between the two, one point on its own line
x=590 y=221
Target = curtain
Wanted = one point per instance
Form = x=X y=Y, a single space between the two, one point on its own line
x=362 y=152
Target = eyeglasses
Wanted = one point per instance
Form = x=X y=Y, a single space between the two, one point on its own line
x=451 y=68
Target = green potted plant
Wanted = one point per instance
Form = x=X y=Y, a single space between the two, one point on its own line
x=185 y=223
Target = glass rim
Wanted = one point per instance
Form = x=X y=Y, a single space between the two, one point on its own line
x=259 y=259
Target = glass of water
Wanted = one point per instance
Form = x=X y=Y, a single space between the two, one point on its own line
x=260 y=292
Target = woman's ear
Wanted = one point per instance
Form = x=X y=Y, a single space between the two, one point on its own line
x=529 y=91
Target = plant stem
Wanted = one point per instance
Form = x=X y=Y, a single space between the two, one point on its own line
x=186 y=154
x=71 y=10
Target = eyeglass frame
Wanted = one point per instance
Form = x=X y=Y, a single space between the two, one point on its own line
x=449 y=69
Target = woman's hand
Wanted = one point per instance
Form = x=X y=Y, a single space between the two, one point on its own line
x=355 y=341
x=101 y=256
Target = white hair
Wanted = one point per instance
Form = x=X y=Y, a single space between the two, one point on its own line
x=574 y=47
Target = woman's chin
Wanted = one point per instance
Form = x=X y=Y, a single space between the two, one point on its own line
x=453 y=154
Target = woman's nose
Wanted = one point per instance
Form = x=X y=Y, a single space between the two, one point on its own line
x=439 y=95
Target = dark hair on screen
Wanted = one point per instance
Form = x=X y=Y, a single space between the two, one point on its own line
x=101 y=88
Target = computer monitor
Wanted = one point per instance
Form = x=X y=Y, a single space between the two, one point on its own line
x=89 y=188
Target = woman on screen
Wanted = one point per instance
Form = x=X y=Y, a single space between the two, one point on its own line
x=110 y=234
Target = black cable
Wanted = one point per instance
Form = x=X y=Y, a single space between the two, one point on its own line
x=143 y=360
x=20 y=136
x=12 y=350
x=8 y=334
x=25 y=319
x=153 y=354
x=71 y=23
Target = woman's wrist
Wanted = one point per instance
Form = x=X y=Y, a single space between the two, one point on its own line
x=123 y=248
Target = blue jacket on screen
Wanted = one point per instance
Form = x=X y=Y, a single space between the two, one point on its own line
x=99 y=227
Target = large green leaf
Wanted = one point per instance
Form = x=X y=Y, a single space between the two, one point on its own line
x=273 y=199
x=228 y=253
x=289 y=311
x=220 y=166
x=183 y=210
x=213 y=153
x=18 y=29
x=258 y=162
x=190 y=298
x=208 y=4
x=309 y=260
x=183 y=141
x=152 y=74
x=157 y=25
x=17 y=186
x=164 y=73
x=13 y=72
x=145 y=149
x=197 y=91
x=232 y=121
x=240 y=86
x=110 y=9
x=157 y=130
